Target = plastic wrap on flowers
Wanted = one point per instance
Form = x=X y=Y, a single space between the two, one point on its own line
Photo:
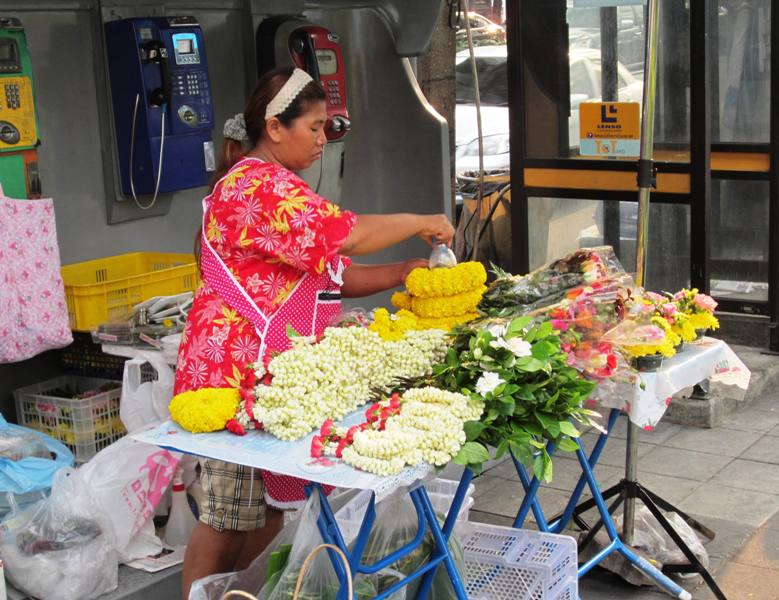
x=641 y=337
x=547 y=285
x=592 y=310
x=353 y=317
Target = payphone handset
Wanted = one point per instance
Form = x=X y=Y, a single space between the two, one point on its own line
x=162 y=104
x=18 y=121
x=287 y=41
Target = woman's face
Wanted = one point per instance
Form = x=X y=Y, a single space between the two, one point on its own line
x=302 y=143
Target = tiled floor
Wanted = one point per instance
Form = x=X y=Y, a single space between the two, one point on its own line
x=727 y=477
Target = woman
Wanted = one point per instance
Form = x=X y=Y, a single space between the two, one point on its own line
x=273 y=254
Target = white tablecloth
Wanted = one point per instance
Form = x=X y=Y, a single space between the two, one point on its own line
x=261 y=450
x=647 y=396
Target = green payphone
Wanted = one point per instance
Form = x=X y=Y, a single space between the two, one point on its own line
x=18 y=120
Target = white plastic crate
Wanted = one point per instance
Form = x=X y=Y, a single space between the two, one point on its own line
x=440 y=491
x=85 y=425
x=503 y=563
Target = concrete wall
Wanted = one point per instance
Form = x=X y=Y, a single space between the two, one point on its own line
x=397 y=157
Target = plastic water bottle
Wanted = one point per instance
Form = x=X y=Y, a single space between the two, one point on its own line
x=181 y=521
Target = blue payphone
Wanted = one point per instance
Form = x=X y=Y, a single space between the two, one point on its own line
x=162 y=105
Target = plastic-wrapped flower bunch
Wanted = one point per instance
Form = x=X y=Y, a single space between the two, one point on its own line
x=440 y=298
x=680 y=324
x=314 y=382
x=644 y=331
x=422 y=425
x=698 y=307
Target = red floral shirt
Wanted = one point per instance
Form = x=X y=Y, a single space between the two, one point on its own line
x=269 y=228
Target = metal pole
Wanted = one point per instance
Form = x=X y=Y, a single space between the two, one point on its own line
x=645 y=182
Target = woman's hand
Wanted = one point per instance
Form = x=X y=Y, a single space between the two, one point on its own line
x=406 y=267
x=438 y=227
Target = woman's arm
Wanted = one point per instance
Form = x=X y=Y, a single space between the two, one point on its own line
x=377 y=232
x=365 y=280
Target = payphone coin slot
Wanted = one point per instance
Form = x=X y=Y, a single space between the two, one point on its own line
x=8 y=133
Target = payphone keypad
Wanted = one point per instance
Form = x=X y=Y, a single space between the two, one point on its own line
x=12 y=98
x=334 y=92
x=190 y=84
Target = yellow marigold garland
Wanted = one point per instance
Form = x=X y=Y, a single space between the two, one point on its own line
x=447 y=306
x=445 y=323
x=392 y=328
x=433 y=283
x=401 y=300
x=205 y=410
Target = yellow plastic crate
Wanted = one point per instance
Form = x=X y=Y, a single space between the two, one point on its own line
x=106 y=289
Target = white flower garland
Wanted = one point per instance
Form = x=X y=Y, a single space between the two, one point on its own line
x=315 y=382
x=428 y=429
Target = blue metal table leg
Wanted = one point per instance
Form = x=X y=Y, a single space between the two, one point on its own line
x=426 y=521
x=451 y=518
x=441 y=550
x=331 y=534
x=530 y=502
x=559 y=525
x=616 y=543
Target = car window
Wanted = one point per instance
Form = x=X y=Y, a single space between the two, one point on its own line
x=580 y=79
x=493 y=81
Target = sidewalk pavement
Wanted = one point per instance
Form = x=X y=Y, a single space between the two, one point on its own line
x=727 y=478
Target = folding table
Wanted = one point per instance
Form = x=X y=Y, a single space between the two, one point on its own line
x=645 y=399
x=261 y=450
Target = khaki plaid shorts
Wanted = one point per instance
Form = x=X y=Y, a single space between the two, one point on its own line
x=233 y=496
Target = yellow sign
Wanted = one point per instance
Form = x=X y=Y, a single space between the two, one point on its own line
x=609 y=128
x=17 y=113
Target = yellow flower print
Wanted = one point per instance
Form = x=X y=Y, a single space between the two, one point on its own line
x=328 y=209
x=215 y=230
x=234 y=176
x=230 y=317
x=236 y=379
x=243 y=241
x=279 y=222
x=284 y=292
x=293 y=203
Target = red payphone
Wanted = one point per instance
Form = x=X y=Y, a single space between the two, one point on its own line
x=289 y=41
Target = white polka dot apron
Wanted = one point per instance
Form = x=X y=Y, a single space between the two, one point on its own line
x=312 y=305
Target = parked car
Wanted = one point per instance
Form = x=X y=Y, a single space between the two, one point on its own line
x=491 y=66
x=584 y=31
x=483 y=32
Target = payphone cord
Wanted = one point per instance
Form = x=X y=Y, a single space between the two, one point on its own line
x=132 y=151
x=321 y=170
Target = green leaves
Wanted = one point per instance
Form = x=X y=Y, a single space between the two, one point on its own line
x=535 y=405
x=568 y=428
x=472 y=454
x=473 y=429
x=517 y=325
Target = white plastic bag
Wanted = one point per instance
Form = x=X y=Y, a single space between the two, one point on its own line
x=650 y=537
x=56 y=549
x=145 y=402
x=126 y=480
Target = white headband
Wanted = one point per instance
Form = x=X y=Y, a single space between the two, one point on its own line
x=288 y=92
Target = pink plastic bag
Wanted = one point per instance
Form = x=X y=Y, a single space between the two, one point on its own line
x=33 y=313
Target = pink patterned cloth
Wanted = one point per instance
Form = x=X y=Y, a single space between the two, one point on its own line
x=269 y=259
x=33 y=313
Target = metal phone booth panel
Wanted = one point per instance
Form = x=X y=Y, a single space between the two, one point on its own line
x=395 y=157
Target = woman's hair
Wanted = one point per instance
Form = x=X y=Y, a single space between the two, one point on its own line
x=264 y=91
